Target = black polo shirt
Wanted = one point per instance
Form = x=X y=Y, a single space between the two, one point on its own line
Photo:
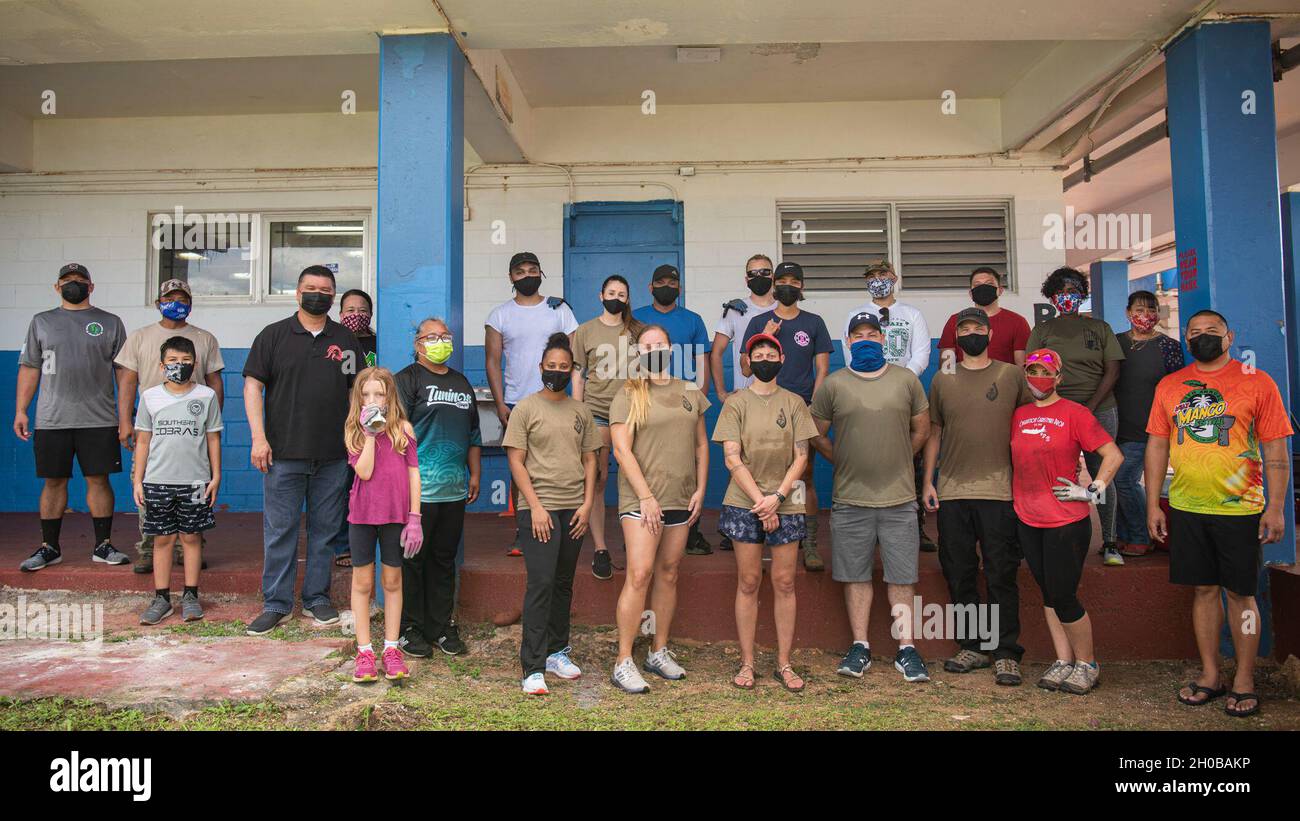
x=307 y=381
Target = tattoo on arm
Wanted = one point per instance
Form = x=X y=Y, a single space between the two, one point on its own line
x=801 y=447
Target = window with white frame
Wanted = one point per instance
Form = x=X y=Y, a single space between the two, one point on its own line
x=257 y=256
x=932 y=244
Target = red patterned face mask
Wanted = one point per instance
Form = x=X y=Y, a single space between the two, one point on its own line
x=356 y=323
x=1042 y=385
x=1144 y=322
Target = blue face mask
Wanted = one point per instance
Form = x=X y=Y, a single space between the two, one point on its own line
x=868 y=356
x=174 y=310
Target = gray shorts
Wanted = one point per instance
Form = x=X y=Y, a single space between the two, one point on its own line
x=855 y=532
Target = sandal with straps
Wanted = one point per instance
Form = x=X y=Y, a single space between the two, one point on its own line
x=739 y=679
x=780 y=675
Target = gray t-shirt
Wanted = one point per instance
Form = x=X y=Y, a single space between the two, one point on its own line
x=178 y=446
x=74 y=351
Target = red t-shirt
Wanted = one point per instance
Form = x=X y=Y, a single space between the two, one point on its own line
x=1045 y=444
x=1010 y=334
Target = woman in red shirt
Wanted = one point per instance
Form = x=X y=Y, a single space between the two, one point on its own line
x=1047 y=437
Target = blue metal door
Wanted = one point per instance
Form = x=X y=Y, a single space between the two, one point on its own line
x=626 y=238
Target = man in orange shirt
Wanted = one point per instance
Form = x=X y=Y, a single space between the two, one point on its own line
x=1222 y=425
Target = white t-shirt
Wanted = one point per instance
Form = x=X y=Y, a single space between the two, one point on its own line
x=907 y=336
x=524 y=330
x=733 y=324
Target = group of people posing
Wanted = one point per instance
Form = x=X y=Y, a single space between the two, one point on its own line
x=993 y=448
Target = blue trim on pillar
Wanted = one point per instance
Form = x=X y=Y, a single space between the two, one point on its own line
x=1108 y=286
x=420 y=257
x=1291 y=287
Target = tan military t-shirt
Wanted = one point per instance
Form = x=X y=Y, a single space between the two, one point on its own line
x=554 y=435
x=664 y=445
x=872 y=422
x=603 y=353
x=1085 y=344
x=767 y=428
x=975 y=408
x=141 y=353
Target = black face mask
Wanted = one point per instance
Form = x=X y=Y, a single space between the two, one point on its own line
x=316 y=303
x=765 y=370
x=178 y=372
x=556 y=380
x=74 y=291
x=665 y=295
x=656 y=361
x=528 y=285
x=759 y=285
x=973 y=344
x=614 y=306
x=1206 y=347
x=788 y=295
x=984 y=294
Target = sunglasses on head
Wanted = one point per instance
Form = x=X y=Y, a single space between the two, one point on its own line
x=1046 y=359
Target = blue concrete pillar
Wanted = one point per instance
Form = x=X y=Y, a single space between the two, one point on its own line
x=420 y=257
x=1108 y=287
x=1291 y=281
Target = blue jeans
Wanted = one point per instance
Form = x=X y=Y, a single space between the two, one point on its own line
x=287 y=486
x=1131 y=521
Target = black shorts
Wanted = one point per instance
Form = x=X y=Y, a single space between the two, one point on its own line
x=97 y=450
x=362 y=538
x=172 y=509
x=1208 y=549
x=671 y=518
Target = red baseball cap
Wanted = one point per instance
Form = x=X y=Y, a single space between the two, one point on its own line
x=1046 y=357
x=756 y=338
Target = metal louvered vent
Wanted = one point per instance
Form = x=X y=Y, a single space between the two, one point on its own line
x=938 y=246
x=833 y=245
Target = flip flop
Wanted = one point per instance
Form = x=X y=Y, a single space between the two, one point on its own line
x=1210 y=694
x=343 y=560
x=1240 y=697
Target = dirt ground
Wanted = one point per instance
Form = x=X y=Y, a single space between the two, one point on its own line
x=480 y=690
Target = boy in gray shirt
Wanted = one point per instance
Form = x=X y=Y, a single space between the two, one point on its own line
x=177 y=472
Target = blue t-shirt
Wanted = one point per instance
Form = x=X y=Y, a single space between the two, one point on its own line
x=802 y=339
x=687 y=333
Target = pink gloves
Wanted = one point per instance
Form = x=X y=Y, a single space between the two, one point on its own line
x=412 y=536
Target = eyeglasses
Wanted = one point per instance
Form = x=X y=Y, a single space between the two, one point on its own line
x=436 y=338
x=758 y=272
x=884 y=316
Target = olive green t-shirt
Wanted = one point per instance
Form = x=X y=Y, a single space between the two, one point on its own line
x=767 y=428
x=664 y=444
x=974 y=408
x=553 y=435
x=1085 y=344
x=872 y=421
x=603 y=353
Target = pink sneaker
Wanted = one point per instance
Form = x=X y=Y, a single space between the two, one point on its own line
x=365 y=670
x=394 y=666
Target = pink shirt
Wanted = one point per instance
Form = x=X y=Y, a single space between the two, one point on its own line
x=384 y=498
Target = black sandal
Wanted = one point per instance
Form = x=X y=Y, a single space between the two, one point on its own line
x=740 y=673
x=777 y=674
x=343 y=560
x=1240 y=697
x=1210 y=694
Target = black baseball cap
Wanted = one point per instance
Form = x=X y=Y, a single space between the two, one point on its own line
x=74 y=268
x=522 y=257
x=864 y=318
x=976 y=314
x=787 y=269
x=666 y=271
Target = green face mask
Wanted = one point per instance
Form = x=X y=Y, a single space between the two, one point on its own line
x=437 y=352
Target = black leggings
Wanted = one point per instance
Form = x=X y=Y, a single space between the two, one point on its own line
x=1055 y=556
x=429 y=579
x=551 y=567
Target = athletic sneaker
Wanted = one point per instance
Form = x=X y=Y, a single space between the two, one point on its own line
x=1054 y=675
x=965 y=661
x=855 y=662
x=191 y=610
x=265 y=623
x=365 y=670
x=1006 y=672
x=323 y=615
x=725 y=543
x=602 y=567
x=911 y=665
x=450 y=642
x=664 y=664
x=106 y=553
x=1082 y=679
x=394 y=665
x=158 y=609
x=415 y=645
x=514 y=550
x=928 y=545
x=697 y=545
x=535 y=685
x=1110 y=555
x=43 y=557
x=627 y=678
x=559 y=664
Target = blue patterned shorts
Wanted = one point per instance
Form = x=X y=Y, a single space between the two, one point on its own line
x=738 y=524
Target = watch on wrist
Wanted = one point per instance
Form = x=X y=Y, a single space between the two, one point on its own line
x=780 y=497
